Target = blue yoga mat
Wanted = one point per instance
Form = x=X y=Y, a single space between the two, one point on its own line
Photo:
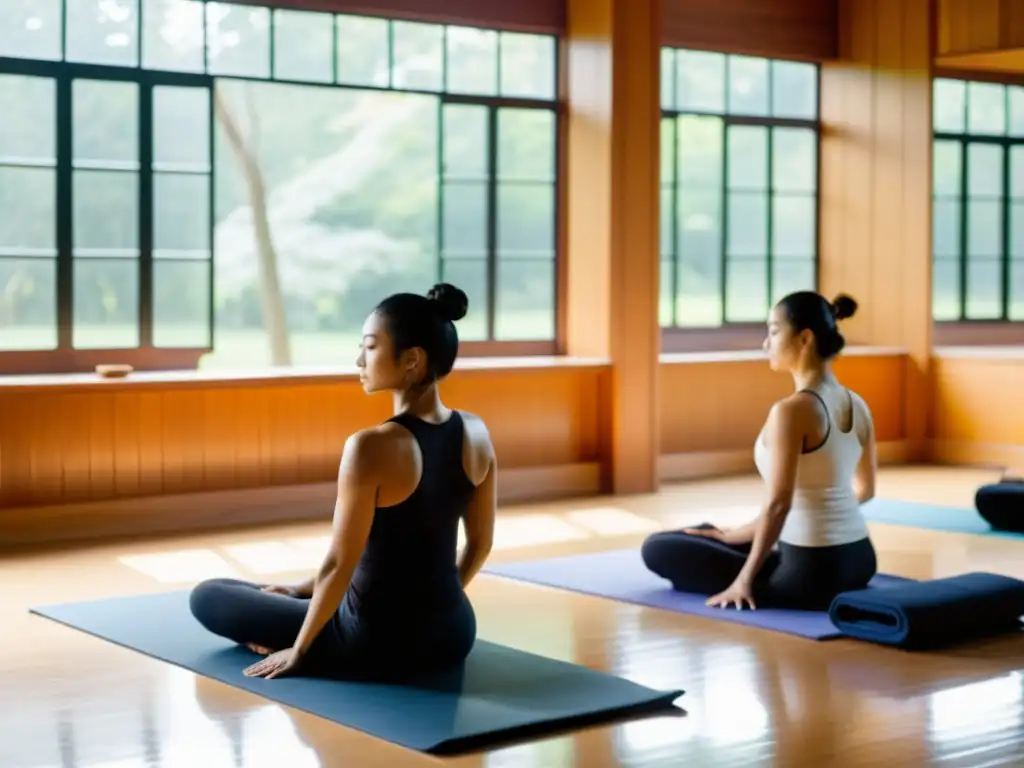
x=931 y=614
x=931 y=516
x=501 y=694
x=621 y=575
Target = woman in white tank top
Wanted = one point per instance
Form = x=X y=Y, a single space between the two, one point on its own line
x=817 y=456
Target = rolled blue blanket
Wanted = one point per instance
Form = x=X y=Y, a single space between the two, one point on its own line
x=929 y=614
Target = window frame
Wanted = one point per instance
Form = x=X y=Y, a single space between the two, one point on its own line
x=65 y=358
x=735 y=335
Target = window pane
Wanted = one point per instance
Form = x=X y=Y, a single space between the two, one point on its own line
x=1017 y=231
x=30 y=132
x=1017 y=171
x=665 y=294
x=31 y=29
x=748 y=224
x=946 y=228
x=748 y=157
x=666 y=219
x=181 y=126
x=789 y=275
x=946 y=160
x=526 y=144
x=1016 y=309
x=28 y=209
x=106 y=314
x=746 y=284
x=238 y=40
x=794 y=90
x=363 y=50
x=1015 y=94
x=28 y=304
x=699 y=151
x=986 y=108
x=525 y=300
x=471 y=277
x=748 y=85
x=794 y=226
x=172 y=35
x=417 y=56
x=984 y=228
x=106 y=210
x=700 y=81
x=946 y=290
x=527 y=66
x=181 y=304
x=526 y=219
x=668 y=150
x=984 y=289
x=102 y=33
x=984 y=169
x=949 y=99
x=465 y=142
x=304 y=46
x=106 y=122
x=472 y=61
x=181 y=213
x=465 y=217
x=699 y=282
x=794 y=159
x=667 y=76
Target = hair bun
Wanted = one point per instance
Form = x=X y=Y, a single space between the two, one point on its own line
x=452 y=303
x=843 y=306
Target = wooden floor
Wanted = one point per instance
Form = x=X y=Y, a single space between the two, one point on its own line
x=752 y=697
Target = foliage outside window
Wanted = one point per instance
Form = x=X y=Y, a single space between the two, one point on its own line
x=978 y=201
x=180 y=174
x=739 y=180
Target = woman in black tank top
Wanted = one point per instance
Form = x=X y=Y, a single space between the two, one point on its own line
x=389 y=601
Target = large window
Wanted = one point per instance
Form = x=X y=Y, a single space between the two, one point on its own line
x=180 y=175
x=739 y=170
x=978 y=203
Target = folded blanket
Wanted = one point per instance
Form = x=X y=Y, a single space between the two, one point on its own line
x=930 y=614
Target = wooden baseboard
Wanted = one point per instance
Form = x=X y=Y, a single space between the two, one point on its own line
x=23 y=527
x=701 y=464
x=968 y=453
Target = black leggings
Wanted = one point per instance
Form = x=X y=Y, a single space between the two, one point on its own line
x=403 y=646
x=805 y=578
x=1002 y=505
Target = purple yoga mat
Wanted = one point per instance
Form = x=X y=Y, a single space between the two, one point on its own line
x=622 y=575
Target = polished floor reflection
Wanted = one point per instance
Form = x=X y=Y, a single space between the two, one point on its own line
x=753 y=698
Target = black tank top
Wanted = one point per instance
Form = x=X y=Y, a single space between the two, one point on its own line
x=409 y=562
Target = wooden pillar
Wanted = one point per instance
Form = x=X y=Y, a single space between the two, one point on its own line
x=612 y=56
x=876 y=208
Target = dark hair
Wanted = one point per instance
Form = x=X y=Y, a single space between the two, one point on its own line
x=812 y=311
x=427 y=322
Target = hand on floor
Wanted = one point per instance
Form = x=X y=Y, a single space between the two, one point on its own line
x=737 y=594
x=262 y=650
x=275 y=665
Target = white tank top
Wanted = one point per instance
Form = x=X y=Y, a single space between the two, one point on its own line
x=825 y=509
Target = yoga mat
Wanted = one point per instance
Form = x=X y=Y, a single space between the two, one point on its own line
x=931 y=516
x=621 y=575
x=931 y=614
x=501 y=694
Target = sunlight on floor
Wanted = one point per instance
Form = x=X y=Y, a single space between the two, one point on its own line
x=266 y=558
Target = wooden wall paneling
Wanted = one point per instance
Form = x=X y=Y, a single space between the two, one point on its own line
x=612 y=62
x=876 y=186
x=788 y=29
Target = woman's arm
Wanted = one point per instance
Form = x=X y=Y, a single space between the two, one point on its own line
x=784 y=434
x=479 y=522
x=358 y=483
x=867 y=467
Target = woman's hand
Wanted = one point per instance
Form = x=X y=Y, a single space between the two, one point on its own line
x=708 y=532
x=281 y=589
x=276 y=664
x=737 y=594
